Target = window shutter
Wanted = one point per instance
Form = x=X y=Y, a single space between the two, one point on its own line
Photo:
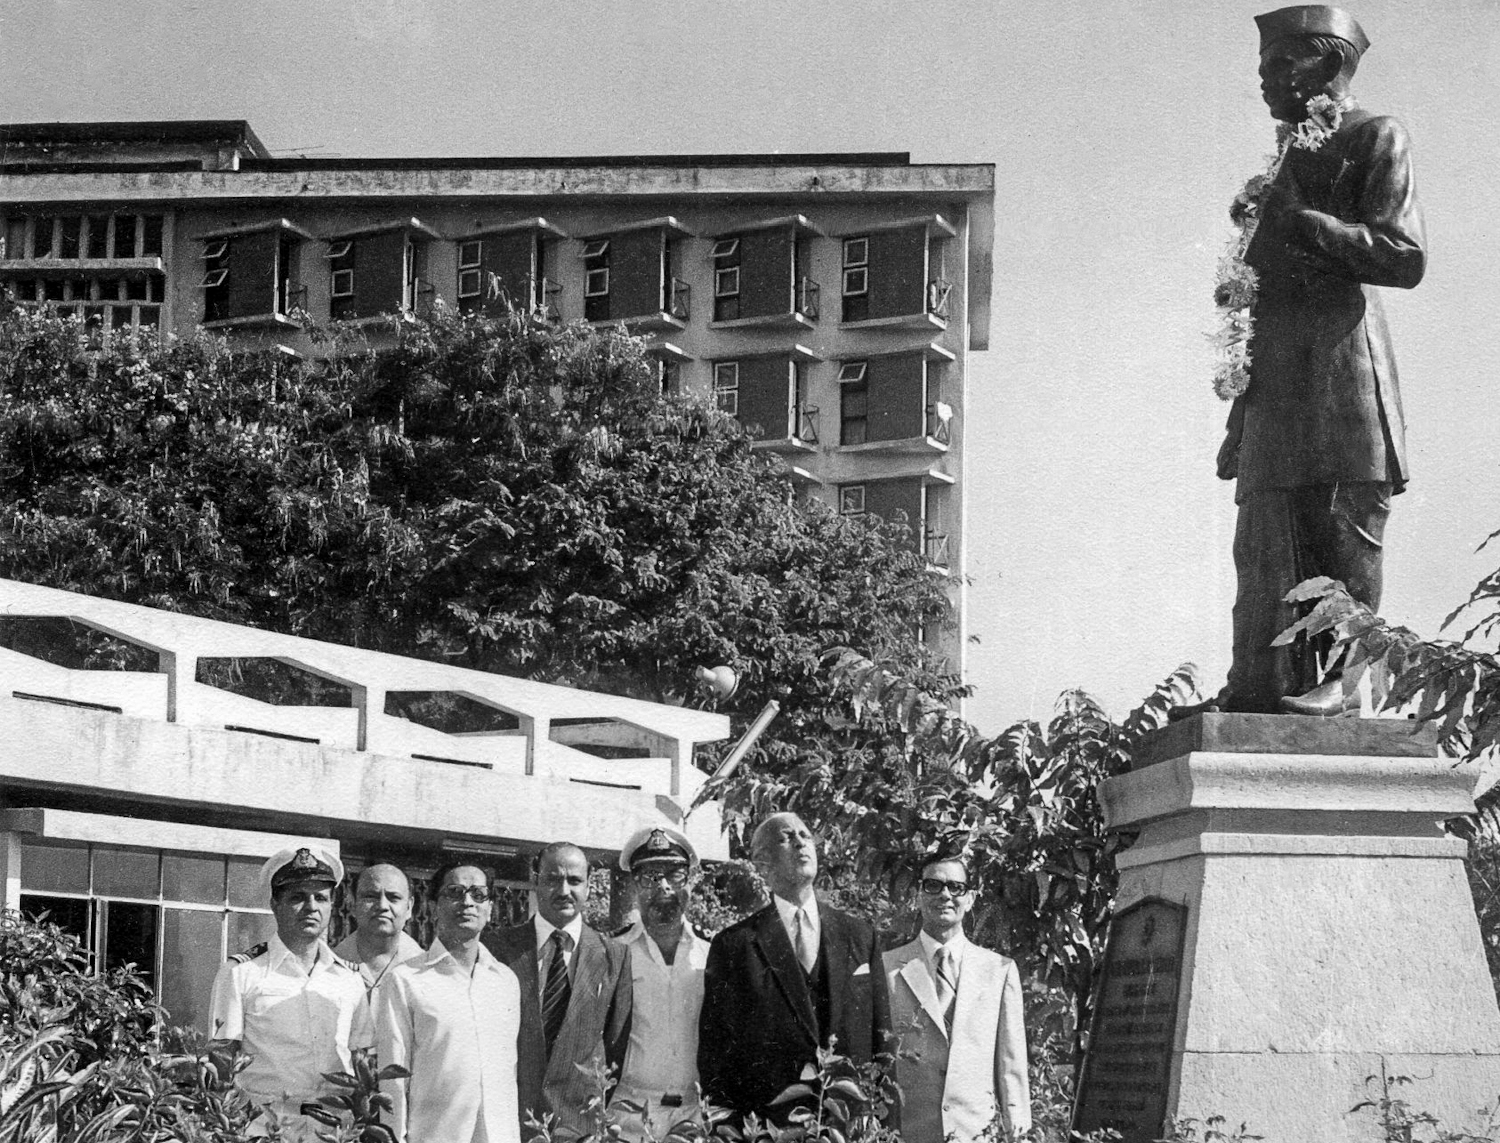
x=635 y=273
x=510 y=257
x=896 y=409
x=765 y=397
x=889 y=498
x=766 y=273
x=252 y=274
x=379 y=286
x=898 y=272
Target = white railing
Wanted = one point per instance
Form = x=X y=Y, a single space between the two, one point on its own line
x=173 y=693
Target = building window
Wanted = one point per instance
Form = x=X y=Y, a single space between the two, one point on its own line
x=376 y=273
x=70 y=237
x=174 y=915
x=727 y=387
x=505 y=267
x=108 y=301
x=854 y=403
x=726 y=259
x=470 y=275
x=851 y=500
x=896 y=272
x=669 y=375
x=596 y=280
x=247 y=274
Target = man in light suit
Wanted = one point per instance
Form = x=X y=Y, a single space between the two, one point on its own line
x=783 y=981
x=956 y=1010
x=575 y=994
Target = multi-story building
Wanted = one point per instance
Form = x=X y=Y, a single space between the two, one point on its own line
x=828 y=301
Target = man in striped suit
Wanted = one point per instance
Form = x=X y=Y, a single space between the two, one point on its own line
x=575 y=994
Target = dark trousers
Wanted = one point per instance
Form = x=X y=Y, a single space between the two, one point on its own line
x=1282 y=537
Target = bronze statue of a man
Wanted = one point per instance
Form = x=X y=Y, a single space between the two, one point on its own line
x=1316 y=442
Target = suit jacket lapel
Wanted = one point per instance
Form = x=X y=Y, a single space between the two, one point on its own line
x=919 y=979
x=833 y=943
x=775 y=948
x=589 y=971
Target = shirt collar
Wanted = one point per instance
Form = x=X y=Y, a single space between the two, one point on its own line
x=279 y=954
x=438 y=952
x=956 y=943
x=545 y=928
x=788 y=911
x=637 y=934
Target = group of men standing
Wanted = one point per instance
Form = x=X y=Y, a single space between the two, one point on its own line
x=531 y=1021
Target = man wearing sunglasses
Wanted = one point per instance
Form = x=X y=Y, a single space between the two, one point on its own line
x=956 y=1008
x=452 y=1018
x=660 y=1076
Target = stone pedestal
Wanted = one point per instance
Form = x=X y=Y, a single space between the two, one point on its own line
x=1324 y=924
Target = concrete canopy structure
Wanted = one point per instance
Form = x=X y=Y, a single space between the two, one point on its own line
x=137 y=804
x=829 y=301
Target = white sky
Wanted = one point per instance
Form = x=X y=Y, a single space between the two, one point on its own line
x=1121 y=129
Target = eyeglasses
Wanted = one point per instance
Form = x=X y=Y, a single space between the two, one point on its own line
x=457 y=894
x=933 y=886
x=675 y=876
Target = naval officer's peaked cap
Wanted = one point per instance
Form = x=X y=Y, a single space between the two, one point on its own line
x=657 y=843
x=1311 y=20
x=301 y=863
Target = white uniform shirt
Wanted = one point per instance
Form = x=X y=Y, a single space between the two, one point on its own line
x=455 y=1031
x=295 y=1025
x=406 y=949
x=662 y=1058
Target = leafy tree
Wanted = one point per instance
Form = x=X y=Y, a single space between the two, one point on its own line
x=495 y=492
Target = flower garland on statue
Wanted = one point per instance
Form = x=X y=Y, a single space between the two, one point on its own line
x=1234 y=292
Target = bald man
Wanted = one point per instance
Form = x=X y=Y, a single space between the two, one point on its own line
x=382 y=907
x=783 y=981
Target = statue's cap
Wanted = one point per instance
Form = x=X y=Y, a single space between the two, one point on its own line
x=1311 y=20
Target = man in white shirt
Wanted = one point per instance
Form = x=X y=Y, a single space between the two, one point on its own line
x=658 y=1084
x=291 y=1005
x=575 y=994
x=382 y=906
x=957 y=1011
x=450 y=1018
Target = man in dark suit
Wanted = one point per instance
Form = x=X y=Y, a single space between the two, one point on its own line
x=575 y=995
x=1316 y=443
x=785 y=981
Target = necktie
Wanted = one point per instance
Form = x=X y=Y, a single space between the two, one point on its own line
x=807 y=956
x=945 y=985
x=557 y=988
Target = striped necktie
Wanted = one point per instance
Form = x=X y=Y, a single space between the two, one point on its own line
x=557 y=989
x=946 y=989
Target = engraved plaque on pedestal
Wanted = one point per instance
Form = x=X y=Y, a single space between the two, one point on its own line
x=1127 y=1071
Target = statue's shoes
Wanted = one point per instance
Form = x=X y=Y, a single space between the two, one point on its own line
x=1326 y=700
x=1207 y=706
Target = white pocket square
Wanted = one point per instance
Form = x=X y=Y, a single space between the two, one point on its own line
x=863 y=970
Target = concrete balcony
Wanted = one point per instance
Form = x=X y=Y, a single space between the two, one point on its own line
x=166 y=743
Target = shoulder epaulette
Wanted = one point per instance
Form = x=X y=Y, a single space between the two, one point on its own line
x=249 y=954
x=352 y=966
x=616 y=934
